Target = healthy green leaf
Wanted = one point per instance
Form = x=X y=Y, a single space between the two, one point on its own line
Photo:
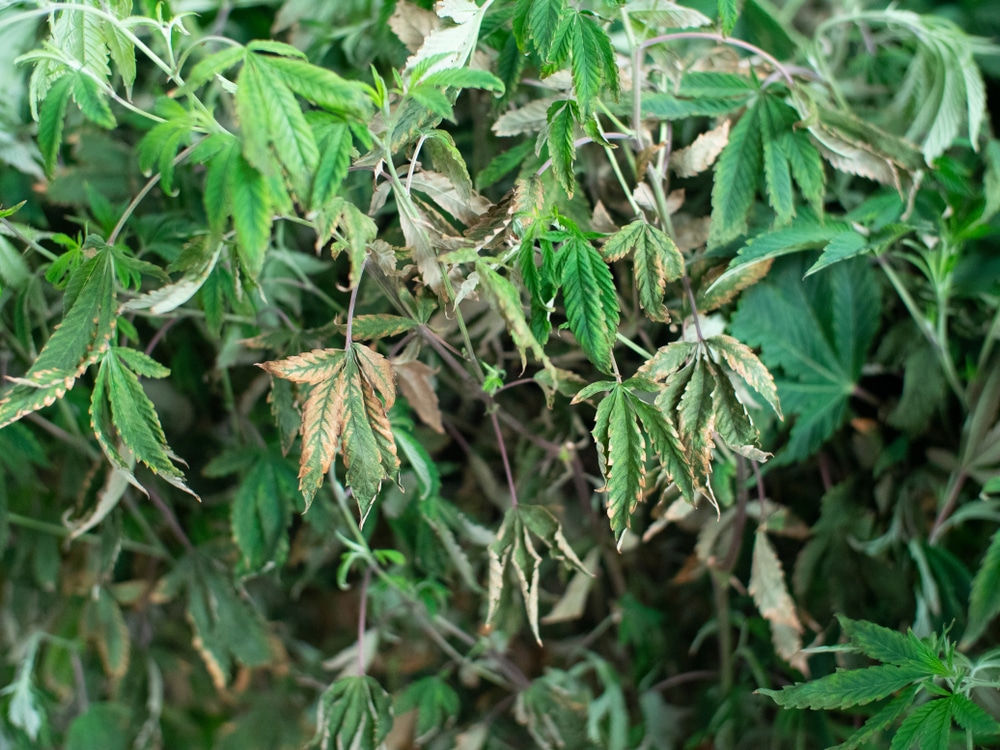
x=736 y=175
x=591 y=300
x=928 y=726
x=891 y=647
x=562 y=118
x=51 y=117
x=846 y=688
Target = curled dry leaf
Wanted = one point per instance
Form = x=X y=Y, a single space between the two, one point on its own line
x=414 y=380
x=700 y=155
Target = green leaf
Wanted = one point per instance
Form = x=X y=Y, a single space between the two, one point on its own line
x=806 y=165
x=346 y=413
x=103 y=726
x=729 y=12
x=593 y=63
x=320 y=86
x=76 y=343
x=846 y=688
x=103 y=622
x=251 y=209
x=736 y=174
x=137 y=422
x=591 y=300
x=817 y=331
x=702 y=84
x=538 y=21
x=666 y=443
x=972 y=717
x=93 y=101
x=437 y=705
x=696 y=420
x=261 y=512
x=562 y=118
x=656 y=259
x=776 y=119
x=671 y=107
x=274 y=128
x=928 y=726
x=464 y=78
x=51 y=117
x=505 y=300
x=621 y=451
x=879 y=721
x=355 y=713
x=984 y=598
x=892 y=647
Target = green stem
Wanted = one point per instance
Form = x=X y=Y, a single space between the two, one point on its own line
x=26 y=522
x=925 y=328
x=150 y=184
x=633 y=346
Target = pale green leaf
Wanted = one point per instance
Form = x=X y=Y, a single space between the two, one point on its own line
x=354 y=713
x=208 y=68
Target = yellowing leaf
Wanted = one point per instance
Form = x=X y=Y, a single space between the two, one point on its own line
x=345 y=413
x=770 y=594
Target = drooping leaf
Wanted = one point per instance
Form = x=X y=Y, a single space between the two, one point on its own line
x=51 y=118
x=770 y=594
x=346 y=414
x=80 y=340
x=504 y=298
x=251 y=208
x=880 y=721
x=591 y=300
x=984 y=598
x=134 y=418
x=514 y=548
x=656 y=260
x=562 y=118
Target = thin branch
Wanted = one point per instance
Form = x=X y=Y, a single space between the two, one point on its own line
x=348 y=334
x=694 y=306
x=143 y=193
x=721 y=40
x=683 y=678
x=949 y=505
x=170 y=518
x=362 y=616
x=504 y=458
